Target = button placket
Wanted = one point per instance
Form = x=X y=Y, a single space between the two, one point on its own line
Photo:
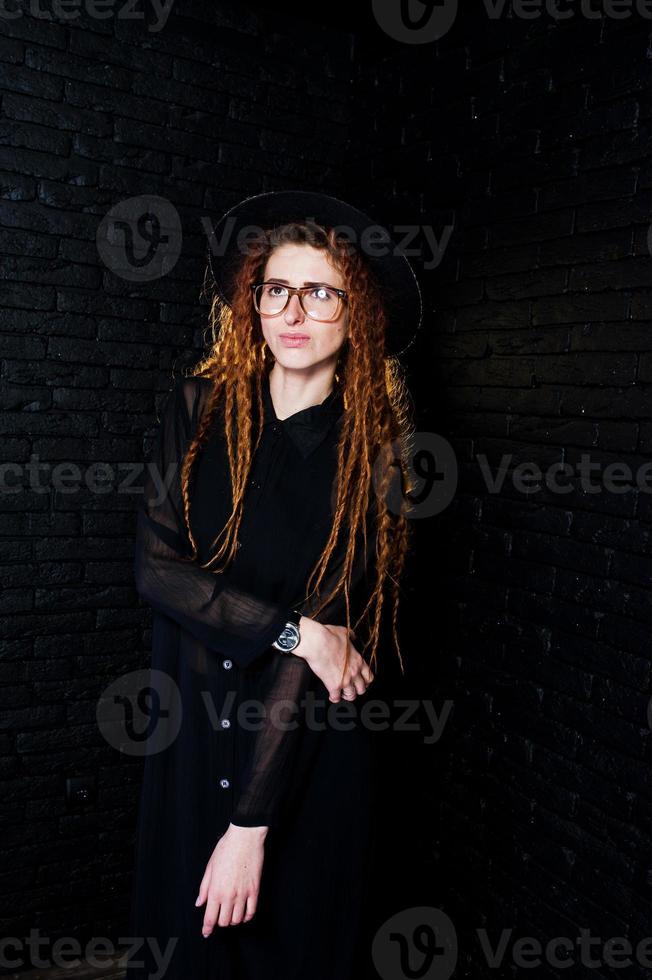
x=261 y=471
x=227 y=733
x=261 y=467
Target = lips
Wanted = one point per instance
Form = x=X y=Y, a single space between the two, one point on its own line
x=294 y=339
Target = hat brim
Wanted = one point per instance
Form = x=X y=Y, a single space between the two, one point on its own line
x=396 y=278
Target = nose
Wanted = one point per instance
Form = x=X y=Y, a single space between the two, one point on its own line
x=293 y=311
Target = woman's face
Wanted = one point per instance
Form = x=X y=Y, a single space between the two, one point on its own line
x=315 y=341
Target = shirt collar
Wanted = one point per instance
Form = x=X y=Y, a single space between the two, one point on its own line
x=309 y=427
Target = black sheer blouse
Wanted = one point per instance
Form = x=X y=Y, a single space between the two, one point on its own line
x=214 y=630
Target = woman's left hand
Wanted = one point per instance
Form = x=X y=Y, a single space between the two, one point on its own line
x=231 y=881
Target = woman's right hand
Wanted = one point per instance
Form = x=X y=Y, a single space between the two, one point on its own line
x=324 y=650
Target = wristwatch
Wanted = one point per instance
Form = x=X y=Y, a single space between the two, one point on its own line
x=290 y=635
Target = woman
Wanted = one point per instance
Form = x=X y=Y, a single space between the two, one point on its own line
x=266 y=546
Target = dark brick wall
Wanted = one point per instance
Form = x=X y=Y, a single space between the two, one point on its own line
x=533 y=138
x=218 y=105
x=527 y=612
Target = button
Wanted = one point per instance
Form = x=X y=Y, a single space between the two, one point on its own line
x=227 y=664
x=224 y=783
x=225 y=723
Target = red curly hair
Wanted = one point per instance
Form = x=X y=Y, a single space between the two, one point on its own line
x=374 y=434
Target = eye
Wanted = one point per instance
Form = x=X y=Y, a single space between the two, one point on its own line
x=322 y=294
x=273 y=289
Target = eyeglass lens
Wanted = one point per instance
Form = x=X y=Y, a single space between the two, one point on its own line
x=318 y=302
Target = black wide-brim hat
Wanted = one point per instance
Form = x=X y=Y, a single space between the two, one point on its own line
x=398 y=284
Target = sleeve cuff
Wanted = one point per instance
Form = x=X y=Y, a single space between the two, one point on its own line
x=245 y=657
x=255 y=820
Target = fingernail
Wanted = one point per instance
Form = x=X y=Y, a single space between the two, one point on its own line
x=197 y=901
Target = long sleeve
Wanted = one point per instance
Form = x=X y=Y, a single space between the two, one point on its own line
x=285 y=682
x=334 y=612
x=225 y=618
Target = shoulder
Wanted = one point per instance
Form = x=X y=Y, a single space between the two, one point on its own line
x=189 y=396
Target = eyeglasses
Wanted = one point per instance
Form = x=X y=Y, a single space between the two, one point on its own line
x=318 y=301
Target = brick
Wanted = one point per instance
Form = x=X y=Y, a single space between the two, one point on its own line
x=21 y=78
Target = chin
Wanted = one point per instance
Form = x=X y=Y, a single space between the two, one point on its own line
x=295 y=357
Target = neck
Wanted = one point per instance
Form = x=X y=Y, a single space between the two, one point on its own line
x=294 y=390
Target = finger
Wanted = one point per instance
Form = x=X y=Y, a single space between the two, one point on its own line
x=210 y=915
x=238 y=912
x=204 y=886
x=359 y=684
x=335 y=694
x=226 y=912
x=349 y=692
x=203 y=891
x=252 y=901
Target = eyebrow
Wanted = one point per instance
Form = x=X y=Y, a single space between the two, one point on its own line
x=284 y=282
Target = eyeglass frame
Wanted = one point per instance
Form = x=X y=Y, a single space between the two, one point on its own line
x=299 y=291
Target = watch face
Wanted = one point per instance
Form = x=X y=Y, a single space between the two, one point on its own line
x=289 y=638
